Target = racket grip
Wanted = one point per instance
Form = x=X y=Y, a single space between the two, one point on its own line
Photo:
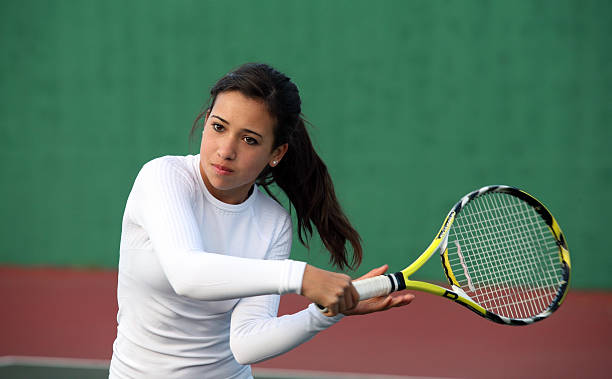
x=373 y=287
x=381 y=285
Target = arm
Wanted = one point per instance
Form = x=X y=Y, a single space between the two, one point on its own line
x=257 y=334
x=161 y=202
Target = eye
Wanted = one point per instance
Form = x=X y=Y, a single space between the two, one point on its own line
x=250 y=140
x=218 y=127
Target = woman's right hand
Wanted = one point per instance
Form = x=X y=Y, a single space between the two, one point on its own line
x=329 y=289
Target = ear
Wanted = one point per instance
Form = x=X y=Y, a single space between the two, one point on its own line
x=278 y=154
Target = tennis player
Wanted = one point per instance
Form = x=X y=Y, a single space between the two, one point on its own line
x=204 y=253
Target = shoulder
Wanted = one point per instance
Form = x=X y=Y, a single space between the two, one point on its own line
x=169 y=169
x=169 y=166
x=269 y=208
x=179 y=165
x=273 y=219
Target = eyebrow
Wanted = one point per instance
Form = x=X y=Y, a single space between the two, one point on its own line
x=245 y=130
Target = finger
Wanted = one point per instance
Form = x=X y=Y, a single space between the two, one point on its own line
x=346 y=297
x=379 y=304
x=353 y=296
x=378 y=270
x=375 y=272
x=401 y=300
x=346 y=302
x=389 y=301
x=332 y=310
x=341 y=304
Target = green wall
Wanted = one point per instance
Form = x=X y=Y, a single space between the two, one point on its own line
x=414 y=104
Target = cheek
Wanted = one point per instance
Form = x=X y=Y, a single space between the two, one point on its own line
x=205 y=144
x=257 y=163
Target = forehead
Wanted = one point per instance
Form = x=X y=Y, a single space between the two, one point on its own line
x=243 y=112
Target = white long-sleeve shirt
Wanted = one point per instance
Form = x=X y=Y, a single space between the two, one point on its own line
x=199 y=279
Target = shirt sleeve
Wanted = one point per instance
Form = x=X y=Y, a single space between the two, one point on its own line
x=257 y=333
x=161 y=202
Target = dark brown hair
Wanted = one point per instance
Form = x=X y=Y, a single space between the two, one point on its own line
x=301 y=174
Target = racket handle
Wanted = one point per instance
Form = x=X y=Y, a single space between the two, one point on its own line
x=373 y=287
x=381 y=285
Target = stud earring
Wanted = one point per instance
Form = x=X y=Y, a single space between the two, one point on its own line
x=274 y=163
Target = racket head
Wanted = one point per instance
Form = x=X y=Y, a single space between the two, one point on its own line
x=506 y=252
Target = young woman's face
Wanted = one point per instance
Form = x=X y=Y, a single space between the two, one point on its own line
x=236 y=146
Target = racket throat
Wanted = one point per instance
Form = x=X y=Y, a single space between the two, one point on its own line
x=397 y=280
x=459 y=291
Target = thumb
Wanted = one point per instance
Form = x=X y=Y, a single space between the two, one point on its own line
x=375 y=272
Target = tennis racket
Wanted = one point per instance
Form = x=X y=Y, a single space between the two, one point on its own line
x=503 y=254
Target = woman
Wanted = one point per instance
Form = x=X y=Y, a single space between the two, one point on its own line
x=203 y=257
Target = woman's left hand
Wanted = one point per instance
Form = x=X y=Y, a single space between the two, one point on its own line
x=382 y=303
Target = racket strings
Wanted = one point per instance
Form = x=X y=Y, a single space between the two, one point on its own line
x=505 y=295
x=539 y=293
x=504 y=256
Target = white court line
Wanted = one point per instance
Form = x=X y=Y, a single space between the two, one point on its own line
x=267 y=373
x=10 y=360
x=308 y=374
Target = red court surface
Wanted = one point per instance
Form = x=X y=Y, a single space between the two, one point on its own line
x=55 y=312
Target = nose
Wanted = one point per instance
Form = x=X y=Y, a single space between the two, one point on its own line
x=226 y=149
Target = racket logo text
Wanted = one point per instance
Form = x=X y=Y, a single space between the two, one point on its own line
x=447 y=224
x=450 y=295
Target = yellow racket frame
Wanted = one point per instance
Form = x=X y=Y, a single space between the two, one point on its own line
x=457 y=294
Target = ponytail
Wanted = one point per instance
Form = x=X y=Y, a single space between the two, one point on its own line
x=304 y=178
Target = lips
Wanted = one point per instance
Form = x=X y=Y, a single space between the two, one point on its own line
x=222 y=170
